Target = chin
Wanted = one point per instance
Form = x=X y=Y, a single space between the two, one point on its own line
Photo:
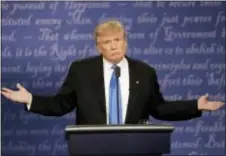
x=117 y=59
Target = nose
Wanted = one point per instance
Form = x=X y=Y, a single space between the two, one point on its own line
x=113 y=46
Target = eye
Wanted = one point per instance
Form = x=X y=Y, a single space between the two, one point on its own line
x=117 y=39
x=106 y=42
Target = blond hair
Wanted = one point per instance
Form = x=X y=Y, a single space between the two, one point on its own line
x=110 y=26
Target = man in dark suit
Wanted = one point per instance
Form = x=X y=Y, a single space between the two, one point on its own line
x=90 y=88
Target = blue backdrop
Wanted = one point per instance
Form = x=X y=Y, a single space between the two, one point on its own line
x=184 y=41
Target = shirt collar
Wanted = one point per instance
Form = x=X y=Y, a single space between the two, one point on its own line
x=108 y=65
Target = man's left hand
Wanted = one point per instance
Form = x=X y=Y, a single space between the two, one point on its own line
x=206 y=105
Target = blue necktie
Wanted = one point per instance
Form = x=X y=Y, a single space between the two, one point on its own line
x=114 y=111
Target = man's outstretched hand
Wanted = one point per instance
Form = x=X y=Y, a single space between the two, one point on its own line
x=206 y=105
x=20 y=96
x=23 y=96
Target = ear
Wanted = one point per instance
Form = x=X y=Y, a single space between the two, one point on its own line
x=125 y=39
x=126 y=43
x=99 y=48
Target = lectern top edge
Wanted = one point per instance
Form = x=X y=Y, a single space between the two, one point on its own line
x=112 y=128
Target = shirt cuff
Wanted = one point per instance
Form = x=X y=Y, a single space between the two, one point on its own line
x=29 y=101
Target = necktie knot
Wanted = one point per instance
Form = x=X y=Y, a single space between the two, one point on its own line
x=113 y=66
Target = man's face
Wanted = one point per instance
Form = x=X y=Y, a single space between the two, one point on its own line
x=112 y=46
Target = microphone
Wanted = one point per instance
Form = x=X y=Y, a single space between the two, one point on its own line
x=117 y=71
x=117 y=74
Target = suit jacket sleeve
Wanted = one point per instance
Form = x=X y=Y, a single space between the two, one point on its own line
x=170 y=110
x=63 y=102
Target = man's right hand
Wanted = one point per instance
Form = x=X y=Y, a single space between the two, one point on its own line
x=21 y=95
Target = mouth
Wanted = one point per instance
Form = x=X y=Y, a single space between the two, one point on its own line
x=115 y=53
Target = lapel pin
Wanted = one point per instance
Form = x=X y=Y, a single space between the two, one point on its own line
x=137 y=82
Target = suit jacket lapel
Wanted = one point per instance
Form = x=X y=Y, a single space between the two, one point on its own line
x=134 y=84
x=97 y=78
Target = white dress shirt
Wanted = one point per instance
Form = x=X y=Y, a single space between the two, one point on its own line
x=123 y=81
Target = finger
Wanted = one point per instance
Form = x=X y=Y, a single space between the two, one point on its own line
x=6 y=94
x=19 y=86
x=206 y=95
x=7 y=90
x=216 y=103
x=217 y=106
x=220 y=104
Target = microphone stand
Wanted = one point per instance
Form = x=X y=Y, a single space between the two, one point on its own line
x=117 y=74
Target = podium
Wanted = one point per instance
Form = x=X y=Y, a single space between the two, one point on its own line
x=118 y=140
